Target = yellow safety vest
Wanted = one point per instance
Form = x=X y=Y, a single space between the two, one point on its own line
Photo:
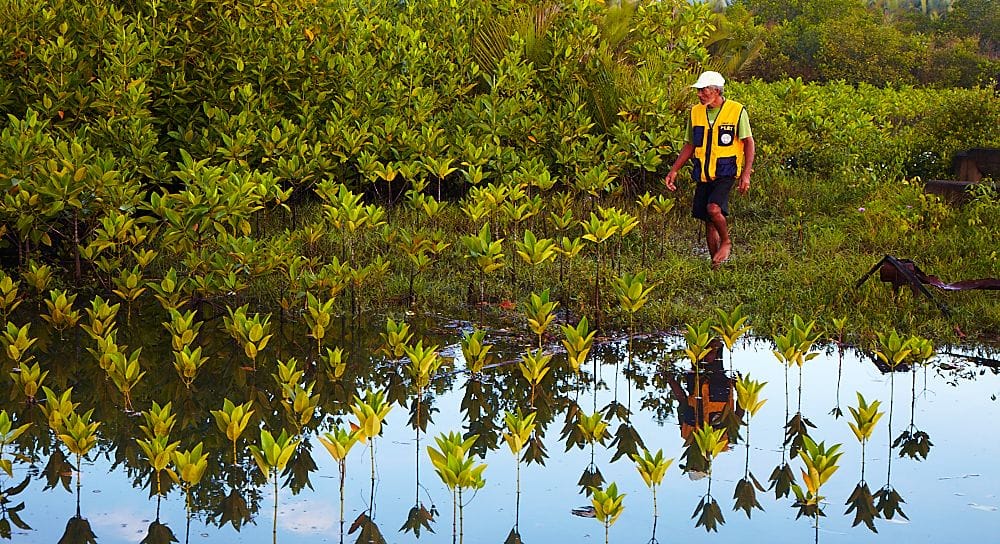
x=718 y=151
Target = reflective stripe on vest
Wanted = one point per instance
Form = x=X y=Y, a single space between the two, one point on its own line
x=718 y=151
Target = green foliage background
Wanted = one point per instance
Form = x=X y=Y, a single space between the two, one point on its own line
x=216 y=139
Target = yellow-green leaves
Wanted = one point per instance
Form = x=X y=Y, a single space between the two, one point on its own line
x=748 y=394
x=486 y=252
x=273 y=453
x=710 y=442
x=539 y=312
x=865 y=417
x=534 y=367
x=475 y=351
x=28 y=379
x=651 y=467
x=79 y=433
x=423 y=363
x=395 y=338
x=534 y=251
x=697 y=338
x=820 y=464
x=730 y=326
x=8 y=434
x=17 y=341
x=251 y=332
x=233 y=420
x=519 y=429
x=893 y=349
x=61 y=314
x=794 y=347
x=339 y=442
x=318 y=316
x=190 y=465
x=632 y=291
x=453 y=465
x=370 y=412
x=593 y=427
x=608 y=504
x=578 y=342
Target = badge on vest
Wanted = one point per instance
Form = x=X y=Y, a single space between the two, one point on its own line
x=727 y=134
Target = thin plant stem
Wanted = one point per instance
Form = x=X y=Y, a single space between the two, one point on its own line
x=274 y=530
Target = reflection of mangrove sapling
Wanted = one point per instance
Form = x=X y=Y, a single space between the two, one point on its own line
x=458 y=471
x=339 y=444
x=28 y=380
x=519 y=429
x=233 y=420
x=475 y=351
x=18 y=342
x=423 y=364
x=539 y=312
x=839 y=323
x=730 y=327
x=608 y=507
x=748 y=396
x=157 y=446
x=371 y=412
x=77 y=432
x=820 y=464
x=250 y=332
x=652 y=468
x=893 y=350
x=189 y=467
x=913 y=442
x=395 y=338
x=861 y=501
x=534 y=367
x=594 y=430
x=62 y=315
x=710 y=443
x=271 y=456
x=8 y=434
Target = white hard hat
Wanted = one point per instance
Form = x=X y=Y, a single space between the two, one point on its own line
x=709 y=79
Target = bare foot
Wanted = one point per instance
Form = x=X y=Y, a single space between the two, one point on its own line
x=722 y=255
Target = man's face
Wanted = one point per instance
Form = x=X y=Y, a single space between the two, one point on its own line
x=707 y=95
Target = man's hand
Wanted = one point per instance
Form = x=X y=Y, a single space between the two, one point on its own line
x=670 y=180
x=744 y=185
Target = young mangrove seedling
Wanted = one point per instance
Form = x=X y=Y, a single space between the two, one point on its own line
x=252 y=333
x=62 y=315
x=608 y=507
x=519 y=429
x=539 y=312
x=748 y=396
x=652 y=468
x=28 y=380
x=475 y=351
x=189 y=467
x=126 y=374
x=339 y=443
x=534 y=367
x=710 y=443
x=318 y=316
x=578 y=341
x=861 y=501
x=272 y=456
x=232 y=420
x=18 y=342
x=8 y=434
x=395 y=338
x=458 y=471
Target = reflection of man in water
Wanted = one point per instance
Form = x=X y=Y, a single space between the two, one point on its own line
x=707 y=398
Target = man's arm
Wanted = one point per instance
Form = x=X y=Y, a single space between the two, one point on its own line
x=686 y=153
x=749 y=150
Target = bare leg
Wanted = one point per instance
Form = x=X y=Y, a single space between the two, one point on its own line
x=717 y=223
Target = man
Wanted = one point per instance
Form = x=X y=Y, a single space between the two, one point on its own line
x=721 y=144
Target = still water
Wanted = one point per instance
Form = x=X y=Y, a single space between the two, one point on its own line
x=950 y=495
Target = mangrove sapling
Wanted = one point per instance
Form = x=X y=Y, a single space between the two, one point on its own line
x=395 y=338
x=170 y=292
x=795 y=347
x=697 y=339
x=534 y=366
x=594 y=430
x=597 y=231
x=893 y=350
x=125 y=372
x=839 y=323
x=710 y=443
x=272 y=456
x=624 y=223
x=318 y=317
x=820 y=464
x=486 y=253
x=424 y=363
x=232 y=420
x=159 y=421
x=339 y=443
x=608 y=506
x=252 y=333
x=913 y=442
x=458 y=471
x=519 y=430
x=578 y=341
x=18 y=343
x=61 y=313
x=8 y=434
x=189 y=467
x=28 y=380
x=632 y=296
x=539 y=312
x=476 y=352
x=79 y=434
x=652 y=468
x=371 y=413
x=730 y=327
x=748 y=396
x=861 y=501
x=129 y=286
x=9 y=296
x=534 y=252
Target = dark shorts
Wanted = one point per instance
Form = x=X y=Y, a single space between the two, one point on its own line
x=712 y=192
